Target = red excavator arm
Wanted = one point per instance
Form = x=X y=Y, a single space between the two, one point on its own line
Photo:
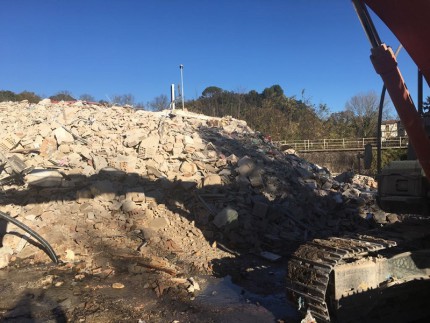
x=409 y=21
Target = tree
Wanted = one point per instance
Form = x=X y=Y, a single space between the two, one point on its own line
x=426 y=104
x=275 y=91
x=62 y=96
x=139 y=106
x=211 y=91
x=340 y=125
x=87 y=97
x=364 y=107
x=123 y=99
x=7 y=96
x=29 y=96
x=159 y=103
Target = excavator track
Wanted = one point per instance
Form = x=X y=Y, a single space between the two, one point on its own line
x=310 y=267
x=359 y=277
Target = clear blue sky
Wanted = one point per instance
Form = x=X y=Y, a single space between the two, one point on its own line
x=109 y=47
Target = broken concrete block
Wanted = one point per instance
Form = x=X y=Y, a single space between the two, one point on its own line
x=246 y=166
x=256 y=179
x=48 y=147
x=188 y=168
x=128 y=206
x=99 y=162
x=212 y=179
x=63 y=136
x=311 y=183
x=5 y=255
x=44 y=178
x=45 y=102
x=158 y=223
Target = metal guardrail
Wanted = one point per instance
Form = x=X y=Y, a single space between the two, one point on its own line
x=342 y=144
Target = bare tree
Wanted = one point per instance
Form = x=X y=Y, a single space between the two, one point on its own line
x=123 y=99
x=365 y=107
x=159 y=103
x=87 y=97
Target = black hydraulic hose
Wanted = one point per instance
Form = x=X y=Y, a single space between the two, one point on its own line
x=378 y=135
x=43 y=242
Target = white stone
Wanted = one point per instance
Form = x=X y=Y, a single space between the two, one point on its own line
x=61 y=135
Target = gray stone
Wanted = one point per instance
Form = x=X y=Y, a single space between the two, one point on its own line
x=327 y=185
x=227 y=216
x=256 y=178
x=345 y=177
x=304 y=173
x=128 y=206
x=351 y=193
x=311 y=183
x=246 y=166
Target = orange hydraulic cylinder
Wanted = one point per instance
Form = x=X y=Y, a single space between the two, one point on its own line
x=385 y=64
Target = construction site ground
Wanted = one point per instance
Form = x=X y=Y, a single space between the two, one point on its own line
x=158 y=216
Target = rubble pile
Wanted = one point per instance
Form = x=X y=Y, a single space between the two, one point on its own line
x=166 y=191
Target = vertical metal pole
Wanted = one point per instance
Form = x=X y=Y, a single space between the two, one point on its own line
x=181 y=67
x=420 y=92
x=172 y=96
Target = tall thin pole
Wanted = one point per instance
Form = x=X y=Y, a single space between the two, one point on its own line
x=181 y=67
x=172 y=96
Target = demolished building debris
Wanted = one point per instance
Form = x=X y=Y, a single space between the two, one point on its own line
x=163 y=191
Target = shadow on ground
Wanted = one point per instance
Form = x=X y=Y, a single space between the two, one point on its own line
x=276 y=216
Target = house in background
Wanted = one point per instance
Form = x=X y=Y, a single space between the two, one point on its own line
x=392 y=129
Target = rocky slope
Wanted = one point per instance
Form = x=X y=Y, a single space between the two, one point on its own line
x=165 y=193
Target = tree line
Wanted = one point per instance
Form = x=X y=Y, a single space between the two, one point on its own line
x=289 y=118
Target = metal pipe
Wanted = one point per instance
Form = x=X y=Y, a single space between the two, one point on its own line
x=181 y=67
x=172 y=96
x=367 y=23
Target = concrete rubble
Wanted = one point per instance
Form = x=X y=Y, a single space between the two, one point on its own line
x=165 y=192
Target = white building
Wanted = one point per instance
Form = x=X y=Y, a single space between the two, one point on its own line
x=392 y=129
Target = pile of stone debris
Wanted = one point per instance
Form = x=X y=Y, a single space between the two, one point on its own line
x=167 y=191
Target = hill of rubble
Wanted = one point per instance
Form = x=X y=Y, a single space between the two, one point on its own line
x=164 y=193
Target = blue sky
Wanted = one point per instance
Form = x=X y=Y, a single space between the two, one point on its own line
x=114 y=47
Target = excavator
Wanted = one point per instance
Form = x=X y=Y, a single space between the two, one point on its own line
x=382 y=275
